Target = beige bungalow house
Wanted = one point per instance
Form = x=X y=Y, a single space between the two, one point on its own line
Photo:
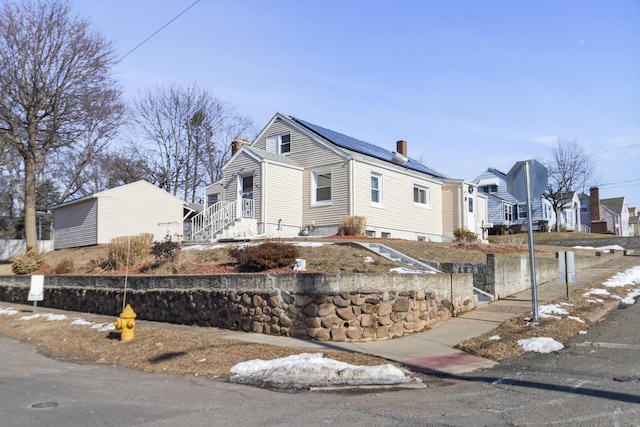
x=298 y=179
x=139 y=207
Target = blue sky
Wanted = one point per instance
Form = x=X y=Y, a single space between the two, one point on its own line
x=468 y=84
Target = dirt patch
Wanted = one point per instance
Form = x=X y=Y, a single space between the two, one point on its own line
x=157 y=350
x=523 y=327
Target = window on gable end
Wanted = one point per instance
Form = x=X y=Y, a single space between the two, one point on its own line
x=284 y=143
x=280 y=144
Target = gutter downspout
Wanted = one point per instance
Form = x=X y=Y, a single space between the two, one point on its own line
x=352 y=207
x=460 y=225
x=263 y=203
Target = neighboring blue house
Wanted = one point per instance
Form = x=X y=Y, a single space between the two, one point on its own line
x=504 y=210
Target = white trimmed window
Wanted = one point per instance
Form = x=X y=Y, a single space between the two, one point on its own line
x=508 y=213
x=522 y=211
x=376 y=190
x=421 y=196
x=321 y=187
x=280 y=144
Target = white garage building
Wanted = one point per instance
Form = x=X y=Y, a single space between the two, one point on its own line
x=139 y=207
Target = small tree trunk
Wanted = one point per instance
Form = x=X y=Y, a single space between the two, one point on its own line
x=31 y=236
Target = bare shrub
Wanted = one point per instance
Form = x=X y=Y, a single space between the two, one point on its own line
x=515 y=240
x=129 y=250
x=266 y=256
x=64 y=267
x=464 y=235
x=26 y=263
x=352 y=225
x=165 y=250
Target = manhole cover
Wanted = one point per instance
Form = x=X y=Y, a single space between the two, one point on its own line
x=44 y=405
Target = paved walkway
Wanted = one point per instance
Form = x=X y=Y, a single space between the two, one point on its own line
x=433 y=350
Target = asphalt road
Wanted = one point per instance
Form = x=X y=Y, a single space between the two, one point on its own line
x=595 y=381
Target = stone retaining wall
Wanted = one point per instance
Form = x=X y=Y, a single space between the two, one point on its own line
x=352 y=307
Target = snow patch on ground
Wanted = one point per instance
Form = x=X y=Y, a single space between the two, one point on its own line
x=203 y=247
x=403 y=270
x=540 y=345
x=47 y=316
x=607 y=248
x=309 y=244
x=313 y=370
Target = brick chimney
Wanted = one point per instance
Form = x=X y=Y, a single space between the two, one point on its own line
x=401 y=147
x=594 y=203
x=236 y=144
x=598 y=225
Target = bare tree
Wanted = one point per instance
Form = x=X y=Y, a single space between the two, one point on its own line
x=113 y=169
x=188 y=130
x=569 y=170
x=56 y=83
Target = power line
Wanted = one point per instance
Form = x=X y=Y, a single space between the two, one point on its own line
x=619 y=182
x=613 y=149
x=158 y=30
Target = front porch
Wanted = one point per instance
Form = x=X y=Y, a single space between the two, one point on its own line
x=224 y=220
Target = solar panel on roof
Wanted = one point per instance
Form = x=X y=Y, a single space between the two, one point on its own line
x=362 y=147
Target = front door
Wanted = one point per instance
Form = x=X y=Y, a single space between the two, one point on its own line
x=246 y=195
x=471 y=213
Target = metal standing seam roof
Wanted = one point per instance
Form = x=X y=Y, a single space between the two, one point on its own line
x=366 y=148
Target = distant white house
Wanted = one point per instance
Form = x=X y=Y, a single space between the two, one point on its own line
x=131 y=209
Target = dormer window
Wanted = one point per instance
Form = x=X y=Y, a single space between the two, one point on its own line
x=490 y=189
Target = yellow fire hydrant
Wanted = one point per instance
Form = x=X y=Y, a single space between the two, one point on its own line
x=126 y=323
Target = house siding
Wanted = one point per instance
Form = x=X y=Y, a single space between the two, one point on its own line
x=136 y=208
x=76 y=225
x=398 y=211
x=284 y=203
x=327 y=216
x=451 y=210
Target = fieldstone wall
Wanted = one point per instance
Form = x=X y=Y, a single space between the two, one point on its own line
x=305 y=306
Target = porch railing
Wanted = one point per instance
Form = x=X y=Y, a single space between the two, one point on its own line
x=216 y=217
x=585 y=229
x=213 y=219
x=247 y=208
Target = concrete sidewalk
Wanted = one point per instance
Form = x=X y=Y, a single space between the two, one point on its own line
x=433 y=350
